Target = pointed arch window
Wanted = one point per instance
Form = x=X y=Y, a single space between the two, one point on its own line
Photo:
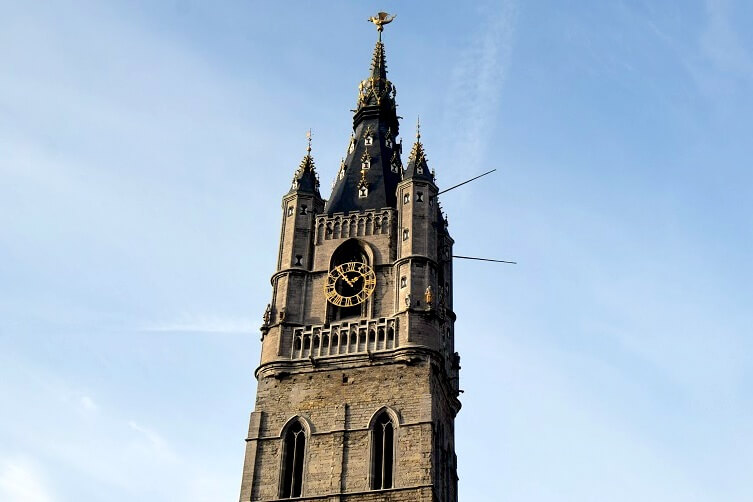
x=293 y=449
x=382 y=452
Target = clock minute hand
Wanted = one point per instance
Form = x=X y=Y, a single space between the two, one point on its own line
x=341 y=275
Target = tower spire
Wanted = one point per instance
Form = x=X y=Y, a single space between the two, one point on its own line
x=418 y=166
x=305 y=178
x=375 y=127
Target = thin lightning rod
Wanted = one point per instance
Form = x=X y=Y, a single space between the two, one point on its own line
x=484 y=259
x=467 y=181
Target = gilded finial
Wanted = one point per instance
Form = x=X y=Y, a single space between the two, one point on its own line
x=380 y=20
x=418 y=127
x=308 y=137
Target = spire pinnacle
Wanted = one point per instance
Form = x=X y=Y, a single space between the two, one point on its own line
x=417 y=162
x=305 y=178
x=377 y=90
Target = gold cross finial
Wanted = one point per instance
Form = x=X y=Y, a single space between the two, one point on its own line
x=308 y=137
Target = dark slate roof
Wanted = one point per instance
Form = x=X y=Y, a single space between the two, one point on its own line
x=375 y=118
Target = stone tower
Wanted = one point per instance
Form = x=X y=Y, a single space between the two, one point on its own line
x=358 y=381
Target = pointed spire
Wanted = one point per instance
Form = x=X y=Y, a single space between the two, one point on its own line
x=305 y=178
x=417 y=162
x=377 y=90
x=374 y=143
x=378 y=62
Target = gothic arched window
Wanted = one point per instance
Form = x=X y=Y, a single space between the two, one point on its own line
x=382 y=452
x=293 y=449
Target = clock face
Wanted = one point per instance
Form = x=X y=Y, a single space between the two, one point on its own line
x=350 y=284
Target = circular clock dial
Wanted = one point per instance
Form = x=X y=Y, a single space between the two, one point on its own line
x=350 y=284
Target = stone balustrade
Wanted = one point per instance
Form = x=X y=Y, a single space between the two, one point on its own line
x=344 y=337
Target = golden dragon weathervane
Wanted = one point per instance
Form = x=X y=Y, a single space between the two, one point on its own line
x=380 y=20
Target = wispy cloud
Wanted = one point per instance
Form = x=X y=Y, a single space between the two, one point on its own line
x=21 y=482
x=203 y=324
x=476 y=83
x=155 y=440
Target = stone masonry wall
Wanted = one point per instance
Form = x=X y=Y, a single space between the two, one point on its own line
x=339 y=405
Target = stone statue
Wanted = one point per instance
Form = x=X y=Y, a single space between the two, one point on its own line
x=267 y=314
x=428 y=296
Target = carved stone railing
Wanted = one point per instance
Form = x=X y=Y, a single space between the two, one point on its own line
x=346 y=337
x=345 y=226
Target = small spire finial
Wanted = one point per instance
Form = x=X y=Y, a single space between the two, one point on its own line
x=418 y=127
x=308 y=137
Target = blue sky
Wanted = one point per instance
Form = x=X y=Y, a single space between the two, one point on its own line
x=144 y=148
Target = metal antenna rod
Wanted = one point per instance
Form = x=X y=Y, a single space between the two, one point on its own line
x=484 y=259
x=467 y=181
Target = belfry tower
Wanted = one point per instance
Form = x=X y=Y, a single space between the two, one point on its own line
x=358 y=382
